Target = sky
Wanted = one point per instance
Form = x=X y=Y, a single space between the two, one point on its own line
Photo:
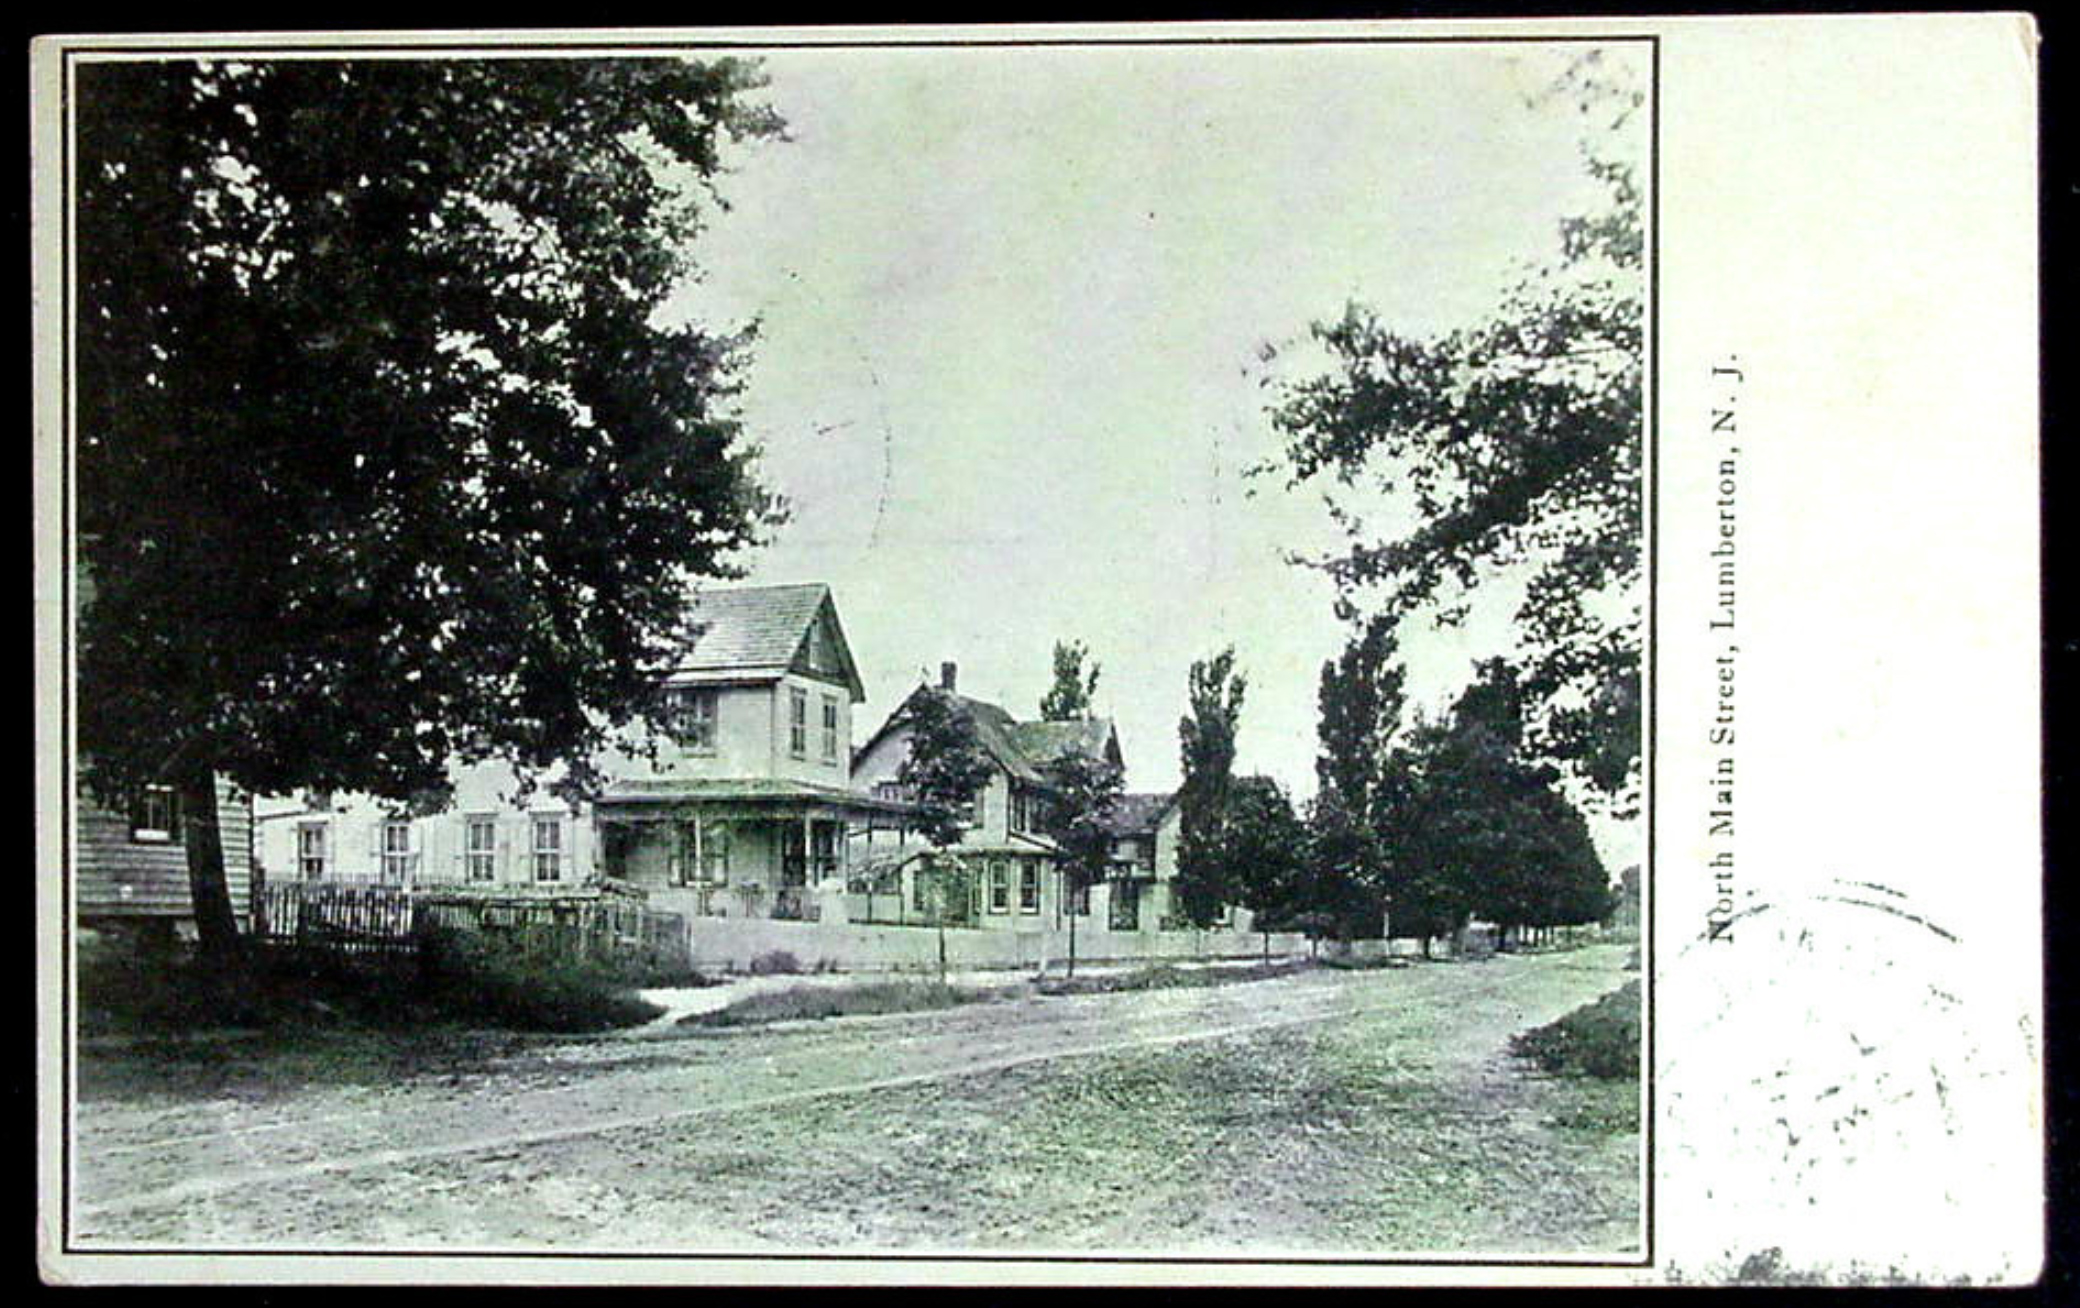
x=1017 y=309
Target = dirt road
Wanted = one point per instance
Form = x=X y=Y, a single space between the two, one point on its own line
x=1280 y=1111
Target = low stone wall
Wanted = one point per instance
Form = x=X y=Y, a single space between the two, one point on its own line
x=732 y=943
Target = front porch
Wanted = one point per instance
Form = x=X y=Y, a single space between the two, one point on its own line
x=774 y=850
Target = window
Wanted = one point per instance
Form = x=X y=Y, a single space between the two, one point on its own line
x=1126 y=906
x=830 y=729
x=703 y=855
x=715 y=854
x=548 y=849
x=690 y=718
x=798 y=722
x=999 y=886
x=310 y=851
x=894 y=790
x=480 y=849
x=155 y=815
x=397 y=853
x=1021 y=810
x=1029 y=885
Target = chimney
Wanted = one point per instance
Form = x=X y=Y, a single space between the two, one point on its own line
x=947 y=672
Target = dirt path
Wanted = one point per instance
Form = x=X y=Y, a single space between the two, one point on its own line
x=309 y=1162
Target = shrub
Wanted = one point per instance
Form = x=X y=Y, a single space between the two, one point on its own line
x=473 y=977
x=775 y=962
x=1599 y=1039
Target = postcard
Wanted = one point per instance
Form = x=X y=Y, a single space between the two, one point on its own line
x=1305 y=653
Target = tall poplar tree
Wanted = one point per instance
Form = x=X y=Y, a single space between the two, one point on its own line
x=1206 y=748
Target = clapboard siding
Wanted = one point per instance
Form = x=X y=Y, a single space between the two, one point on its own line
x=116 y=876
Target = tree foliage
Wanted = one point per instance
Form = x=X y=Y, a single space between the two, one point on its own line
x=1358 y=798
x=1082 y=792
x=1206 y=747
x=946 y=767
x=1069 y=698
x=1513 y=445
x=384 y=455
x=1266 y=848
x=1496 y=832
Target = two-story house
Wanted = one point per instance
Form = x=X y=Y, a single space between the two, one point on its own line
x=738 y=807
x=1016 y=881
x=1146 y=829
x=747 y=807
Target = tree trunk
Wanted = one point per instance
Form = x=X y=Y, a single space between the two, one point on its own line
x=1072 y=938
x=218 y=945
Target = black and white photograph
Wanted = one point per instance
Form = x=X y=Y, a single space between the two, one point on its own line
x=979 y=648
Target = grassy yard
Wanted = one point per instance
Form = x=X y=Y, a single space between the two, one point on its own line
x=1165 y=976
x=807 y=1003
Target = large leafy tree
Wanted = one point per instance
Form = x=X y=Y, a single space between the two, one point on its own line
x=385 y=456
x=1267 y=846
x=1206 y=749
x=1496 y=831
x=1511 y=447
x=1069 y=697
x=943 y=772
x=1083 y=790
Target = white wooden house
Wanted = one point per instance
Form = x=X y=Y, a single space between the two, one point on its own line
x=1015 y=866
x=741 y=806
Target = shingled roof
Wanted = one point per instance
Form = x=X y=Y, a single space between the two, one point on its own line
x=1138 y=814
x=1044 y=742
x=758 y=630
x=1024 y=749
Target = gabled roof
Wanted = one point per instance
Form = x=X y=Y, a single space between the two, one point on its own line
x=1139 y=814
x=763 y=631
x=1024 y=749
x=1044 y=742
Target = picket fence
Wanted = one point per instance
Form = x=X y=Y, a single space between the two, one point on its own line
x=391 y=920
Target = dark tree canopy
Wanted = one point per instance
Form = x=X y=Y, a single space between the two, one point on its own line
x=383 y=456
x=1206 y=748
x=1082 y=792
x=946 y=766
x=1266 y=849
x=1070 y=696
x=1514 y=445
x=1502 y=840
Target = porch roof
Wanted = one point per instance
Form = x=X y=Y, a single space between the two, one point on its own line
x=762 y=792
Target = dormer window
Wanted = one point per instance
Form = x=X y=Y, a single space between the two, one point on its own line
x=690 y=718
